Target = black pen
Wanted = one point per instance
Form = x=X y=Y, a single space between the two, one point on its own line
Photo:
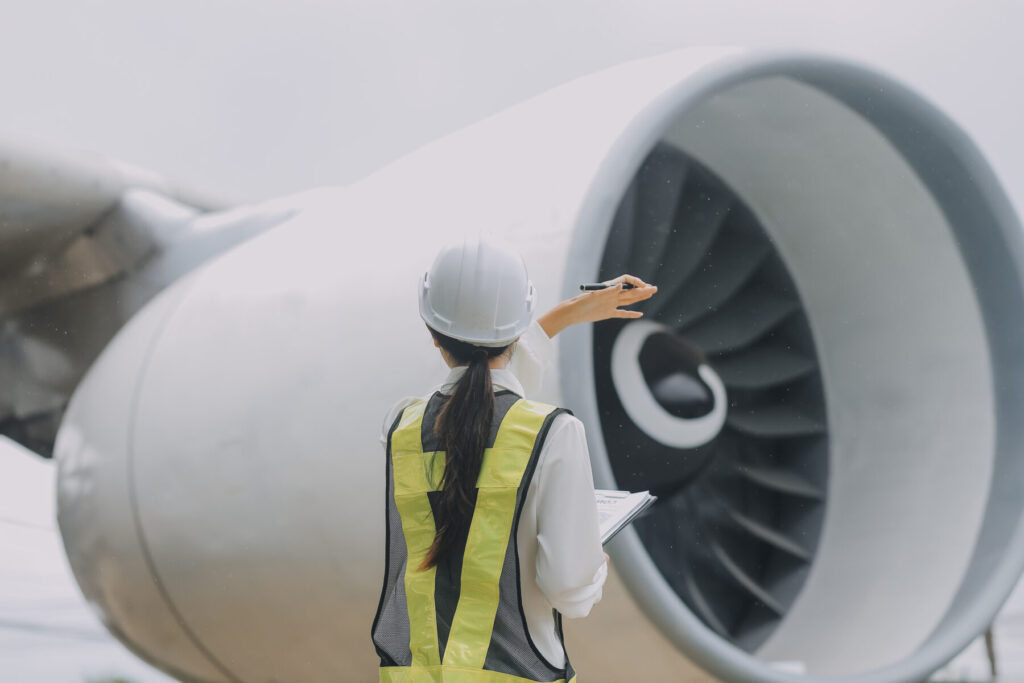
x=600 y=285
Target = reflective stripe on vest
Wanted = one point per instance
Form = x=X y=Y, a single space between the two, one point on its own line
x=414 y=471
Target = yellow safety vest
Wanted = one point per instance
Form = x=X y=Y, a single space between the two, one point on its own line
x=461 y=621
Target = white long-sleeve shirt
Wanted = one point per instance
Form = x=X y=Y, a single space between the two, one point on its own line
x=561 y=560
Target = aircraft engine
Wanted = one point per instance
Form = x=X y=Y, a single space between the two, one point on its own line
x=824 y=393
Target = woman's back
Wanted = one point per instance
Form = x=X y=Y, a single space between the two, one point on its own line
x=561 y=563
x=469 y=611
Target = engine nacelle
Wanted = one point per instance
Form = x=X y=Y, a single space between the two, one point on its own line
x=823 y=393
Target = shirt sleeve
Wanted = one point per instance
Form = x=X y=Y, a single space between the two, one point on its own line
x=531 y=358
x=389 y=419
x=571 y=568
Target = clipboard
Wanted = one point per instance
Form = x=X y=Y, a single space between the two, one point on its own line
x=616 y=509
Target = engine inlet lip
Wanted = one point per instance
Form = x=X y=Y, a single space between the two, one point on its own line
x=942 y=156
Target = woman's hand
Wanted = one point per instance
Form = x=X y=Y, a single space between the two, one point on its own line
x=600 y=304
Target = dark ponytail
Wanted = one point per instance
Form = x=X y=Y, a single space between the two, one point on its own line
x=462 y=428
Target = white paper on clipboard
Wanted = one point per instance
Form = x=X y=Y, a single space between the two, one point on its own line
x=616 y=509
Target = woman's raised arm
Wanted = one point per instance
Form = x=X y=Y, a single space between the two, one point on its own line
x=597 y=305
x=531 y=358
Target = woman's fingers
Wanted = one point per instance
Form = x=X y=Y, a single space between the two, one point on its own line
x=640 y=288
x=604 y=303
x=626 y=277
x=634 y=280
x=640 y=292
x=624 y=297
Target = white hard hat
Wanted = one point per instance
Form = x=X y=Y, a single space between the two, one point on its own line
x=478 y=291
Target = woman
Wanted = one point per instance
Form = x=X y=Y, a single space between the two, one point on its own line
x=491 y=520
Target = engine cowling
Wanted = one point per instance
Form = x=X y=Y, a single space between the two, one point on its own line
x=823 y=392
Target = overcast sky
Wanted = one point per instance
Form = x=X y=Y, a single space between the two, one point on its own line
x=254 y=99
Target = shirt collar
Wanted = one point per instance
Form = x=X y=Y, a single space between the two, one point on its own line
x=501 y=378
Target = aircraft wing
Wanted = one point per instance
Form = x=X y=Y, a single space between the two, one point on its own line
x=85 y=241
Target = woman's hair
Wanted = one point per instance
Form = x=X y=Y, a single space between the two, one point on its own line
x=462 y=429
